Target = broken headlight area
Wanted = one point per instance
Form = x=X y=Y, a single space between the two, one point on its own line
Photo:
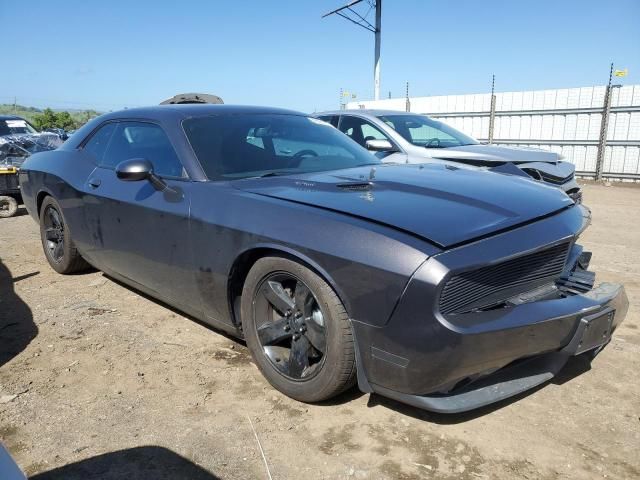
x=547 y=177
x=551 y=278
x=575 y=279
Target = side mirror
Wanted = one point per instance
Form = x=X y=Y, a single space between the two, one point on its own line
x=380 y=146
x=134 y=170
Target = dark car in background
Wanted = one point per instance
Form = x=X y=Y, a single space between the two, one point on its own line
x=406 y=137
x=442 y=287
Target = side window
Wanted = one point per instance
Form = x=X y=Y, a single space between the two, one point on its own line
x=372 y=133
x=143 y=140
x=330 y=119
x=360 y=130
x=99 y=141
x=253 y=139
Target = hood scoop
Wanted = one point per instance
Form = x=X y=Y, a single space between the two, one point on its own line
x=355 y=186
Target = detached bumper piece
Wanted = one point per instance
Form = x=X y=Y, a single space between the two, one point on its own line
x=591 y=334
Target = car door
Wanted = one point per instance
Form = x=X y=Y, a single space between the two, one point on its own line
x=139 y=231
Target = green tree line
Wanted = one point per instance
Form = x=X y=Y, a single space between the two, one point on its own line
x=48 y=118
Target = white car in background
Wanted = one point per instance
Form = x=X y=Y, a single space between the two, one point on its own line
x=405 y=137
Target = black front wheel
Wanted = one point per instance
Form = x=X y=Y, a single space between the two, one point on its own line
x=297 y=330
x=57 y=243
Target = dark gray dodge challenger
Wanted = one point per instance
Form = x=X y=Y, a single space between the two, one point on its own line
x=440 y=287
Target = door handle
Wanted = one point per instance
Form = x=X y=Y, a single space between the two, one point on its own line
x=94 y=182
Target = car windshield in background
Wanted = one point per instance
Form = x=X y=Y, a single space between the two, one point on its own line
x=15 y=127
x=253 y=145
x=425 y=132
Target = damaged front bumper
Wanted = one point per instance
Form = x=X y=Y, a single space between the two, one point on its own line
x=453 y=362
x=604 y=307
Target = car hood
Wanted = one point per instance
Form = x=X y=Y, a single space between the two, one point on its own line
x=493 y=153
x=442 y=204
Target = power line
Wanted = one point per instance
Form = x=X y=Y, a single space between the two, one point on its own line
x=348 y=13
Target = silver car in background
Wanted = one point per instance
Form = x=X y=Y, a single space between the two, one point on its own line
x=405 y=137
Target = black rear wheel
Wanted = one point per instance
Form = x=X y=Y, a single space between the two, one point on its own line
x=57 y=243
x=297 y=330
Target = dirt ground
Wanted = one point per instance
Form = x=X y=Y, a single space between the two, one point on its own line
x=97 y=381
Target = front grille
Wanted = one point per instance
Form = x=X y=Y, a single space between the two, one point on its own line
x=494 y=284
x=555 y=180
x=546 y=177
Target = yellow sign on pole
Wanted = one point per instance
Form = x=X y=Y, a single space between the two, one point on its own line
x=621 y=73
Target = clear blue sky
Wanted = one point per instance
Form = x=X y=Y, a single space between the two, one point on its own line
x=111 y=54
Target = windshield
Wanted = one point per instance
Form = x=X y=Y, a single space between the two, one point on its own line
x=253 y=145
x=15 y=127
x=425 y=132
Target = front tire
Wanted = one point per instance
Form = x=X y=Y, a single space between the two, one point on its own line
x=297 y=330
x=58 y=246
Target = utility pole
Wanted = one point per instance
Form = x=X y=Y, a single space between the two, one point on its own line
x=492 y=112
x=604 y=127
x=376 y=67
x=348 y=13
x=15 y=101
x=407 y=102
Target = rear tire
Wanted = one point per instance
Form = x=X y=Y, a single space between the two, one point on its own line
x=58 y=246
x=8 y=206
x=297 y=330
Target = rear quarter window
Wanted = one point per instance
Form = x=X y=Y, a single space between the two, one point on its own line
x=97 y=144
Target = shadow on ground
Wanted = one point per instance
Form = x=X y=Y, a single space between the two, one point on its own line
x=21 y=211
x=139 y=463
x=16 y=321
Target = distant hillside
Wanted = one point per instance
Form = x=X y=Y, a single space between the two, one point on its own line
x=80 y=117
x=20 y=110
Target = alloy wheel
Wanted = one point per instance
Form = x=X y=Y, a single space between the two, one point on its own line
x=290 y=325
x=54 y=233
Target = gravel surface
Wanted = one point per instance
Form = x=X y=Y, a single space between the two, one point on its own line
x=98 y=381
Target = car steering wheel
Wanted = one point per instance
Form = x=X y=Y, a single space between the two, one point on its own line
x=305 y=153
x=434 y=142
x=298 y=156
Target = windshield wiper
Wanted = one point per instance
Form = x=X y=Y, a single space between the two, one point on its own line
x=269 y=174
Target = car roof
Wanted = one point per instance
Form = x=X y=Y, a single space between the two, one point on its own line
x=193 y=110
x=10 y=117
x=366 y=112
